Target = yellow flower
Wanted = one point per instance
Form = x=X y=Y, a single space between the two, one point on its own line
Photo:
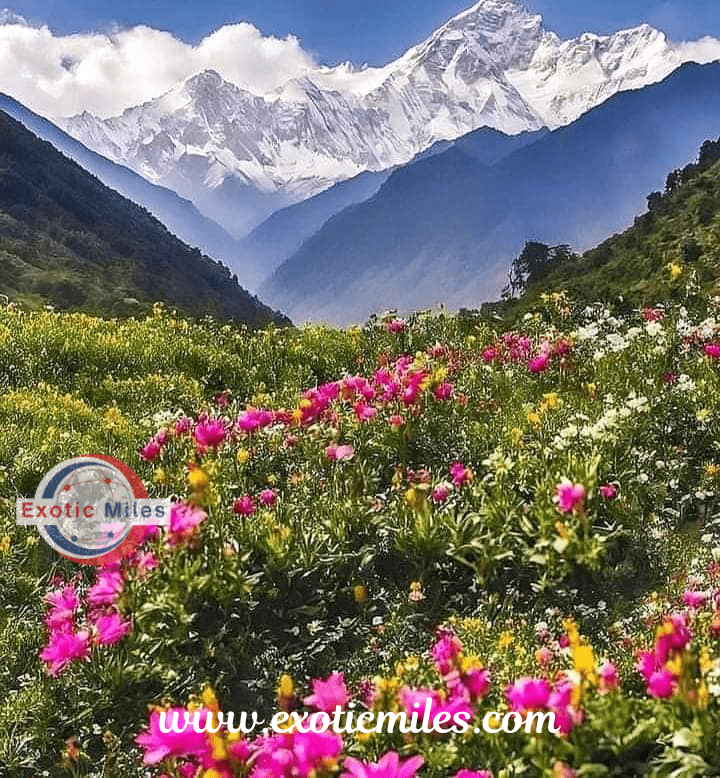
x=562 y=530
x=161 y=476
x=242 y=456
x=198 y=479
x=360 y=594
x=286 y=687
x=711 y=470
x=591 y=389
x=114 y=420
x=533 y=418
x=209 y=699
x=584 y=660
x=675 y=270
x=552 y=400
x=706 y=663
x=703 y=414
x=4 y=544
x=516 y=435
x=505 y=640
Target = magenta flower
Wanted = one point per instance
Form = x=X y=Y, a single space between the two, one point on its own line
x=528 y=694
x=540 y=363
x=460 y=474
x=111 y=628
x=569 y=496
x=444 y=391
x=254 y=419
x=477 y=682
x=364 y=412
x=339 y=453
x=63 y=605
x=185 y=518
x=609 y=677
x=244 y=506
x=389 y=766
x=445 y=652
x=662 y=684
x=210 y=433
x=328 y=694
x=182 y=425
x=151 y=450
x=608 y=491
x=712 y=350
x=395 y=325
x=161 y=745
x=63 y=648
x=108 y=585
x=268 y=497
x=440 y=493
x=695 y=600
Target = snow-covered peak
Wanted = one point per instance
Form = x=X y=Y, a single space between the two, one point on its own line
x=492 y=65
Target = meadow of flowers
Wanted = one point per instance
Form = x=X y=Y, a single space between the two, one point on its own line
x=425 y=508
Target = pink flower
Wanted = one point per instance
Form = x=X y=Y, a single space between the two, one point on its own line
x=388 y=767
x=569 y=496
x=111 y=629
x=210 y=433
x=108 y=585
x=268 y=497
x=63 y=605
x=652 y=314
x=328 y=694
x=395 y=325
x=63 y=648
x=609 y=677
x=365 y=412
x=440 y=493
x=339 y=453
x=540 y=363
x=296 y=754
x=151 y=450
x=445 y=652
x=528 y=694
x=182 y=425
x=396 y=421
x=144 y=561
x=712 y=350
x=608 y=491
x=460 y=474
x=160 y=745
x=444 y=391
x=477 y=682
x=695 y=599
x=185 y=518
x=662 y=684
x=254 y=419
x=244 y=506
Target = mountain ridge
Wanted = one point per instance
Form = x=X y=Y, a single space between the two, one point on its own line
x=68 y=240
x=444 y=230
x=492 y=65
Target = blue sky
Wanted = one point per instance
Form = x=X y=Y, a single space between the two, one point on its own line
x=372 y=31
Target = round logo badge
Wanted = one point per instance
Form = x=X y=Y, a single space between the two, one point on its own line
x=92 y=509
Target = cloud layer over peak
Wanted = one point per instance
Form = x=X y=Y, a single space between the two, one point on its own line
x=61 y=75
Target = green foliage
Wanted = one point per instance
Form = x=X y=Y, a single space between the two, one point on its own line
x=69 y=241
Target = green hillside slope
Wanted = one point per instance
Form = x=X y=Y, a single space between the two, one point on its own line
x=69 y=241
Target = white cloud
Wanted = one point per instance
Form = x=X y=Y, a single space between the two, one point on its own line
x=704 y=50
x=104 y=74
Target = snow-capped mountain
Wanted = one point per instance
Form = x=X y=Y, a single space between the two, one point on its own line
x=493 y=65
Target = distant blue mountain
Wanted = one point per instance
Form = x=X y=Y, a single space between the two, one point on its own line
x=445 y=229
x=282 y=234
x=180 y=216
